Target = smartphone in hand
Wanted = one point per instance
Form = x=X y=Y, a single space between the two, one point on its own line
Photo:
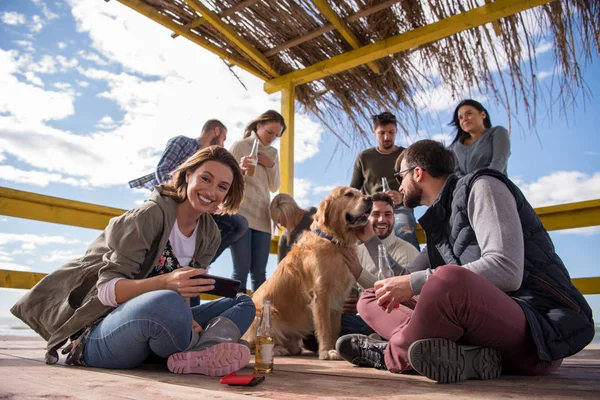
x=224 y=287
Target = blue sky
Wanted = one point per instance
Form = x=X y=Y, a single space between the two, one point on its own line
x=90 y=92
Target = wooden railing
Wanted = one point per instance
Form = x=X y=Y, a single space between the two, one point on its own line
x=20 y=204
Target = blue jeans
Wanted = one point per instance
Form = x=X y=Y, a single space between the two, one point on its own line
x=405 y=218
x=250 y=255
x=232 y=228
x=354 y=324
x=157 y=322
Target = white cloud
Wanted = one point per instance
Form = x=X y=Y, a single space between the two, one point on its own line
x=590 y=153
x=60 y=255
x=325 y=189
x=106 y=122
x=38 y=178
x=29 y=241
x=62 y=45
x=561 y=187
x=444 y=138
x=588 y=231
x=33 y=78
x=302 y=189
x=14 y=267
x=27 y=45
x=36 y=24
x=4 y=258
x=65 y=86
x=3 y=219
x=93 y=57
x=160 y=94
x=13 y=18
x=83 y=84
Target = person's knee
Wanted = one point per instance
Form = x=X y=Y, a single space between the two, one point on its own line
x=448 y=278
x=244 y=301
x=366 y=299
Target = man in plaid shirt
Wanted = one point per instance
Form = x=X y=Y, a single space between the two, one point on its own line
x=179 y=149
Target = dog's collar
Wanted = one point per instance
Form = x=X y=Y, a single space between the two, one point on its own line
x=333 y=240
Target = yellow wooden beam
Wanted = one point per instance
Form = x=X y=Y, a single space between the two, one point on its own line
x=230 y=11
x=343 y=29
x=571 y=215
x=16 y=203
x=232 y=35
x=587 y=285
x=167 y=22
x=416 y=37
x=286 y=161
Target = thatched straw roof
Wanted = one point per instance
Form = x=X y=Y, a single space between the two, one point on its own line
x=288 y=35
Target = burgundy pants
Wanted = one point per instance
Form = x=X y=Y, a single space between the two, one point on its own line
x=459 y=305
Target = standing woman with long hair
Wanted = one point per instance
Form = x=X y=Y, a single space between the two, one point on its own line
x=251 y=252
x=477 y=144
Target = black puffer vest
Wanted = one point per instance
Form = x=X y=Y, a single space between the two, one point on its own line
x=558 y=315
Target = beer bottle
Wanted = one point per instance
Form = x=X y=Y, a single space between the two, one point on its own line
x=264 y=341
x=254 y=156
x=385 y=187
x=385 y=271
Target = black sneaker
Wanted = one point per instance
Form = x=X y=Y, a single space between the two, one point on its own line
x=444 y=361
x=361 y=350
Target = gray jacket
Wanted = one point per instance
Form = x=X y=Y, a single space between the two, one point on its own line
x=66 y=300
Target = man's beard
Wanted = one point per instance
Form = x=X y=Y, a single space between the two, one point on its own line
x=387 y=233
x=413 y=196
x=388 y=146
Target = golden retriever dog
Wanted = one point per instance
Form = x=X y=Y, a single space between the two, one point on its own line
x=309 y=286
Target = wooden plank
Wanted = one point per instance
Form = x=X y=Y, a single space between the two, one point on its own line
x=343 y=29
x=231 y=35
x=414 y=38
x=329 y=27
x=286 y=162
x=230 y=11
x=306 y=377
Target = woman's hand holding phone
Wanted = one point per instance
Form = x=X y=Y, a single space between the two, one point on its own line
x=181 y=280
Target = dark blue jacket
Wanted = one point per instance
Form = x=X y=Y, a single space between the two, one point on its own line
x=558 y=315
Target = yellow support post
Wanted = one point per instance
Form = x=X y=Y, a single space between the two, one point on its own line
x=409 y=40
x=343 y=29
x=286 y=159
x=167 y=22
x=232 y=35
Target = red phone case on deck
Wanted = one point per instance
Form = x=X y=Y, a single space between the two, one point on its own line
x=239 y=380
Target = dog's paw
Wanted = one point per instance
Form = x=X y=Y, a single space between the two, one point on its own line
x=329 y=355
x=280 y=351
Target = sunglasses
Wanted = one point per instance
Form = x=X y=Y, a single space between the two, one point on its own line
x=399 y=177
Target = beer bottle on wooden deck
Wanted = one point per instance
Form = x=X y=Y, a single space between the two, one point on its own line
x=264 y=341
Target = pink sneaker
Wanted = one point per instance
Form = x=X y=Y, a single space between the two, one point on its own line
x=218 y=360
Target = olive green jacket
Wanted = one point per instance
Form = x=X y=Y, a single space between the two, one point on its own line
x=67 y=299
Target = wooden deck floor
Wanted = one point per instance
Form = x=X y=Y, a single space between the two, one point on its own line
x=23 y=375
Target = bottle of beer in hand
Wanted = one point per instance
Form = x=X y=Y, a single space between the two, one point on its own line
x=254 y=156
x=385 y=187
x=385 y=271
x=264 y=341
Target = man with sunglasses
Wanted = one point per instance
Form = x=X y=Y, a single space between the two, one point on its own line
x=377 y=163
x=493 y=296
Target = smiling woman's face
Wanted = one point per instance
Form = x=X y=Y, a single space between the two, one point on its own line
x=208 y=185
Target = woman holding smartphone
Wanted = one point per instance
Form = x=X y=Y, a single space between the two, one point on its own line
x=128 y=296
x=251 y=252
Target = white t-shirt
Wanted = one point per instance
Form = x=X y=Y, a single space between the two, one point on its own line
x=183 y=248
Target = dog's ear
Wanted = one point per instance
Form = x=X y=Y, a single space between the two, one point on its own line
x=322 y=215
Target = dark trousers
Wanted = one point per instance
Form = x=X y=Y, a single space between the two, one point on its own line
x=459 y=305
